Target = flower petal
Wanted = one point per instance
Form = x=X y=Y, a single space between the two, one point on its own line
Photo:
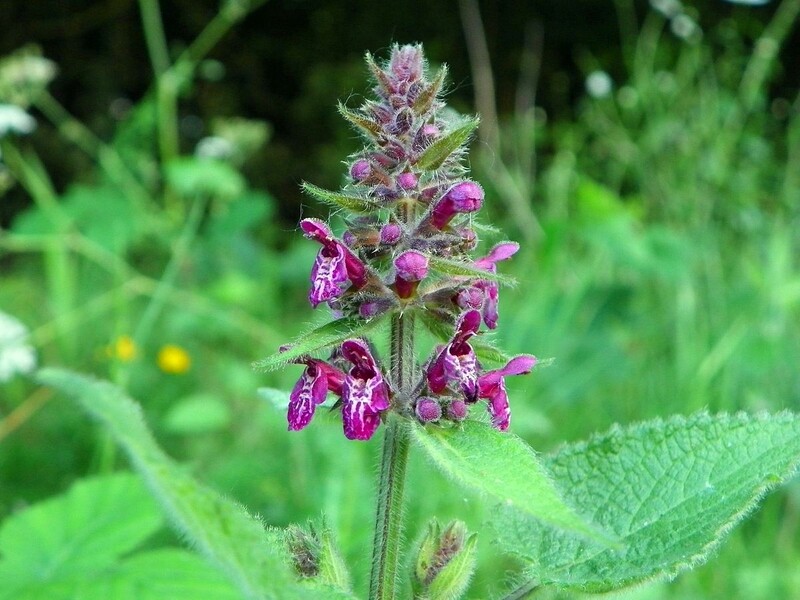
x=309 y=391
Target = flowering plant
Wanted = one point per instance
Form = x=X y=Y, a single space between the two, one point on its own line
x=628 y=506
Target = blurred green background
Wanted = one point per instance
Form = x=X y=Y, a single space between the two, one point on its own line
x=645 y=155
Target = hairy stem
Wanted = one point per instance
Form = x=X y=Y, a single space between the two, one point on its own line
x=388 y=519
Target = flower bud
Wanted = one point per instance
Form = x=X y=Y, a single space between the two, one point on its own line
x=305 y=549
x=411 y=267
x=360 y=170
x=445 y=561
x=471 y=297
x=464 y=197
x=427 y=410
x=457 y=410
x=407 y=181
x=391 y=234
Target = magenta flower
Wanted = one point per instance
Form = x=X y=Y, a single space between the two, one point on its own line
x=464 y=197
x=364 y=392
x=336 y=267
x=311 y=389
x=456 y=362
x=502 y=251
x=492 y=387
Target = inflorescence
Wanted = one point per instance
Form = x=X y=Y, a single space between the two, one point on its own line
x=409 y=211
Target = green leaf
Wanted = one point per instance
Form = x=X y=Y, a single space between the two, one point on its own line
x=448 y=266
x=367 y=126
x=254 y=558
x=426 y=98
x=327 y=335
x=503 y=467
x=670 y=490
x=434 y=155
x=339 y=200
x=87 y=528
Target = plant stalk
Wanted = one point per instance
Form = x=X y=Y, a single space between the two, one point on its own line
x=394 y=459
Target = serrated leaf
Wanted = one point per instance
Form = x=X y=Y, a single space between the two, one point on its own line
x=340 y=200
x=434 y=155
x=670 y=490
x=253 y=557
x=504 y=467
x=448 y=266
x=322 y=337
x=361 y=122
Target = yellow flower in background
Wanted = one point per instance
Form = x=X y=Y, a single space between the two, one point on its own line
x=123 y=349
x=174 y=359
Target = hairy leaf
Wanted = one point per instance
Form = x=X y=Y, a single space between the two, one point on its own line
x=255 y=558
x=449 y=266
x=434 y=155
x=349 y=202
x=504 y=467
x=669 y=490
x=322 y=337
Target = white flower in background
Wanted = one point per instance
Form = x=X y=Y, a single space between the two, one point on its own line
x=15 y=120
x=16 y=355
x=599 y=84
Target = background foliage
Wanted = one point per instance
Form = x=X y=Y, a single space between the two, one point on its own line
x=645 y=156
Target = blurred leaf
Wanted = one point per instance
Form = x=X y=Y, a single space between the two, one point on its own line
x=339 y=200
x=434 y=155
x=330 y=334
x=254 y=557
x=670 y=490
x=503 y=467
x=245 y=212
x=87 y=528
x=101 y=213
x=192 y=177
x=200 y=413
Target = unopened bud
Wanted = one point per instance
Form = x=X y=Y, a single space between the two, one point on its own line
x=445 y=561
x=407 y=181
x=360 y=170
x=464 y=197
x=457 y=410
x=391 y=234
x=427 y=410
x=305 y=549
x=411 y=267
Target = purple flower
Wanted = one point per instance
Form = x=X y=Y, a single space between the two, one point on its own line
x=464 y=197
x=411 y=268
x=336 y=267
x=456 y=362
x=492 y=387
x=502 y=251
x=364 y=392
x=311 y=389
